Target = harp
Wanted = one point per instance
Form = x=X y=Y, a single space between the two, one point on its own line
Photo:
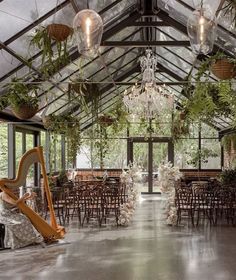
x=51 y=231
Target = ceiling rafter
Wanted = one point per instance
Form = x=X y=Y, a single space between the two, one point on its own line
x=144 y=44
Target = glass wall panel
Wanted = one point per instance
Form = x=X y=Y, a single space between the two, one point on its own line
x=115 y=155
x=186 y=154
x=211 y=154
x=29 y=145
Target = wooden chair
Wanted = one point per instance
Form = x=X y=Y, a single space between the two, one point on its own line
x=203 y=202
x=184 y=203
x=93 y=205
x=223 y=204
x=111 y=203
x=72 y=204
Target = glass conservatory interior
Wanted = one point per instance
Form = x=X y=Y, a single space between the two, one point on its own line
x=134 y=106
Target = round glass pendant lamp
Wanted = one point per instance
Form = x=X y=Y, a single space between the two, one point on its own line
x=201 y=27
x=88 y=29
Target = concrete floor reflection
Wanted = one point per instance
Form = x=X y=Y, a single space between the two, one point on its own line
x=146 y=250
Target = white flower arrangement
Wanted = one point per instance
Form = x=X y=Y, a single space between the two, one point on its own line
x=131 y=175
x=167 y=175
x=127 y=209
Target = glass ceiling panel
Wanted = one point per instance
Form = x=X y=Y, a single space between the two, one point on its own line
x=54 y=100
x=15 y=15
x=125 y=33
x=7 y=62
x=115 y=11
x=170 y=61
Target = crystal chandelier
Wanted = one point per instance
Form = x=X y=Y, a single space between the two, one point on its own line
x=149 y=100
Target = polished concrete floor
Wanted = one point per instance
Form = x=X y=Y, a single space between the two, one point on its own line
x=146 y=250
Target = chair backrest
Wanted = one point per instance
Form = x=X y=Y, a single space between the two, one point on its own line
x=224 y=197
x=111 y=197
x=184 y=196
x=202 y=196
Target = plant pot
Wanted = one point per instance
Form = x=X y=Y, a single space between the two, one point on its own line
x=223 y=69
x=182 y=116
x=59 y=32
x=106 y=120
x=25 y=111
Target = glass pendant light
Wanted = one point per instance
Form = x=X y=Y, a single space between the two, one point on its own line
x=88 y=29
x=201 y=27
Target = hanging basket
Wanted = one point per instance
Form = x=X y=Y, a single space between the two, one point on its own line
x=223 y=69
x=106 y=120
x=182 y=115
x=25 y=111
x=59 y=32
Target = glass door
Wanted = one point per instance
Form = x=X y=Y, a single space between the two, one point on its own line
x=159 y=155
x=148 y=154
x=141 y=158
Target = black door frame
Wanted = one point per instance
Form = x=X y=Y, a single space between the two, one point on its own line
x=12 y=130
x=150 y=142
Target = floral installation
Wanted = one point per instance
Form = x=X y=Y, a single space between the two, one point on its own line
x=131 y=174
x=167 y=175
x=127 y=209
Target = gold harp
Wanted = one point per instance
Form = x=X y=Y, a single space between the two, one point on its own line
x=49 y=232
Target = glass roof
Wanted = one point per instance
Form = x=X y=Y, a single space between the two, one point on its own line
x=19 y=19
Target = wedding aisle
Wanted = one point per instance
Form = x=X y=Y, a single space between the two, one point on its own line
x=145 y=250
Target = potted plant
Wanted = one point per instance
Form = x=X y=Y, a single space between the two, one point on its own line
x=59 y=32
x=43 y=39
x=22 y=98
x=221 y=65
x=106 y=120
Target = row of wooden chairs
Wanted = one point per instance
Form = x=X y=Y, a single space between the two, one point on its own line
x=88 y=202
x=201 y=202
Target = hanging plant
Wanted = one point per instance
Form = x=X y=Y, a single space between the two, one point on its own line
x=44 y=38
x=230 y=9
x=210 y=100
x=70 y=127
x=221 y=65
x=229 y=142
x=179 y=129
x=59 y=32
x=87 y=94
x=106 y=120
x=22 y=98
